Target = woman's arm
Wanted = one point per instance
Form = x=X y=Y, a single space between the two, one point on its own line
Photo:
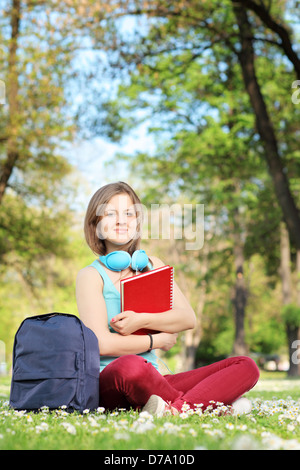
x=181 y=317
x=92 y=311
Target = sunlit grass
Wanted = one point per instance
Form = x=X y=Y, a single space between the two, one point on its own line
x=274 y=423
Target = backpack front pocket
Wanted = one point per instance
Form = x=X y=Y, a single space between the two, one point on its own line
x=38 y=382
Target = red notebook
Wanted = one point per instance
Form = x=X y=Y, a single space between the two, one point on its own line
x=150 y=292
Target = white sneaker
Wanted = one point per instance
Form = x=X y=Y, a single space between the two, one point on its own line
x=241 y=406
x=158 y=407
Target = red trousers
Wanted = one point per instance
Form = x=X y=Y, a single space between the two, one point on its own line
x=128 y=382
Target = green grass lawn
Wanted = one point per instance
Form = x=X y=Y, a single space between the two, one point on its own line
x=274 y=423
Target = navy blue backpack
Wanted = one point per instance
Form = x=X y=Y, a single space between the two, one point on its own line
x=56 y=362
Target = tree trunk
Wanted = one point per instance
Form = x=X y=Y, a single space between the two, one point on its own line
x=287 y=294
x=285 y=265
x=12 y=98
x=293 y=338
x=265 y=127
x=239 y=301
x=297 y=351
x=277 y=27
x=240 y=292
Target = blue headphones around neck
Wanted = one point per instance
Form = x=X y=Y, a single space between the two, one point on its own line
x=118 y=260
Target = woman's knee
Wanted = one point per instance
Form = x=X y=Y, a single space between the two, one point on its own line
x=251 y=368
x=130 y=366
x=135 y=366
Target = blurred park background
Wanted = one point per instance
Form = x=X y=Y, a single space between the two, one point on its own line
x=190 y=102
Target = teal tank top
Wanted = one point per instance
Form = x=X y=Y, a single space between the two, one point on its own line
x=113 y=306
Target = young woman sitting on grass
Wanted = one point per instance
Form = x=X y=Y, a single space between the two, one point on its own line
x=129 y=375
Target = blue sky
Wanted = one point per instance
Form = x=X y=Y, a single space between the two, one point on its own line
x=89 y=158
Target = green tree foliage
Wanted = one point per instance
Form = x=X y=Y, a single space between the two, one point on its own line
x=184 y=70
x=37 y=184
x=218 y=141
x=34 y=125
x=291 y=315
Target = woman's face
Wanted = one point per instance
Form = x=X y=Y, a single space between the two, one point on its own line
x=118 y=224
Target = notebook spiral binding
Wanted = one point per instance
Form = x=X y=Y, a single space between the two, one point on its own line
x=172 y=288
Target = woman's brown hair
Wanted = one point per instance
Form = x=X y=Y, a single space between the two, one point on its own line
x=95 y=210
